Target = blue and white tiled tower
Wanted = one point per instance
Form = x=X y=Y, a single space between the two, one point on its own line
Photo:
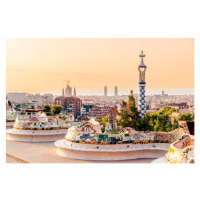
x=142 y=103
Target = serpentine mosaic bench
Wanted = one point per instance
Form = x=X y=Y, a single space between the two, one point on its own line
x=10 y=119
x=38 y=128
x=125 y=144
x=181 y=151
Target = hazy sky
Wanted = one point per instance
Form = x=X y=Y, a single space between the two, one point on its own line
x=44 y=64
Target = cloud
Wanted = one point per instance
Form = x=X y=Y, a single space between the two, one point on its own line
x=85 y=74
x=16 y=69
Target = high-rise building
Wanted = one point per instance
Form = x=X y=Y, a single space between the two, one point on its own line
x=74 y=92
x=163 y=92
x=105 y=91
x=86 y=106
x=71 y=105
x=142 y=84
x=116 y=91
x=48 y=99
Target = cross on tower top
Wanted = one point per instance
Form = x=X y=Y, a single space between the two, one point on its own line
x=67 y=82
x=142 y=63
x=142 y=55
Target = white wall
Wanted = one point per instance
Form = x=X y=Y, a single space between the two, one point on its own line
x=18 y=98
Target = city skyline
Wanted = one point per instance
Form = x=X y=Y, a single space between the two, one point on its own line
x=110 y=91
x=44 y=64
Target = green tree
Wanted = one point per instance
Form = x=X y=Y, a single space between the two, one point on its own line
x=56 y=109
x=63 y=117
x=46 y=108
x=49 y=113
x=129 y=114
x=103 y=129
x=117 y=121
x=167 y=110
x=10 y=105
x=146 y=123
x=175 y=124
x=159 y=121
x=157 y=125
x=103 y=121
x=186 y=117
x=79 y=119
x=17 y=108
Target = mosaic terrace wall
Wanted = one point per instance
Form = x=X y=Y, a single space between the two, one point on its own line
x=11 y=118
x=45 y=123
x=126 y=135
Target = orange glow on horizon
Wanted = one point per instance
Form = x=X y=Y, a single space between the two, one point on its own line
x=44 y=64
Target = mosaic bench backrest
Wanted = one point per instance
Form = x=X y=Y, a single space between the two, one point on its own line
x=126 y=136
x=182 y=151
x=184 y=142
x=36 y=123
x=11 y=118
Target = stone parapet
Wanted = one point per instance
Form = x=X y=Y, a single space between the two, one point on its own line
x=35 y=136
x=110 y=152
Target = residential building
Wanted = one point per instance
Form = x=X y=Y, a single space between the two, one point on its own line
x=87 y=105
x=71 y=105
x=100 y=111
x=17 y=98
x=179 y=105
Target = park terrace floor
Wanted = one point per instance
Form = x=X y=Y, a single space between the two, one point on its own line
x=22 y=152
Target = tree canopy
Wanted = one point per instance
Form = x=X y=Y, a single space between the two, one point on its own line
x=10 y=105
x=157 y=121
x=129 y=114
x=46 y=108
x=63 y=117
x=56 y=109
x=51 y=110
x=187 y=116
x=167 y=110
x=160 y=120
x=103 y=120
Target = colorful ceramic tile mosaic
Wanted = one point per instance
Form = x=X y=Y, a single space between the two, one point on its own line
x=40 y=122
x=11 y=117
x=87 y=134
x=182 y=151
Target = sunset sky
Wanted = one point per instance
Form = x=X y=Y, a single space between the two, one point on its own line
x=45 y=64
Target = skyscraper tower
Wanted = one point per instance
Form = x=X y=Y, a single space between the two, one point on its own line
x=116 y=91
x=74 y=92
x=63 y=92
x=105 y=91
x=142 y=84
